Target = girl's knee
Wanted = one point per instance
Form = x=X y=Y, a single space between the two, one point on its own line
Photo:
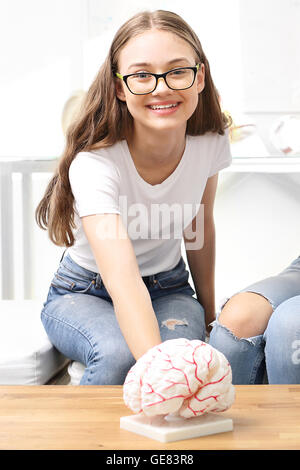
x=246 y=314
x=223 y=339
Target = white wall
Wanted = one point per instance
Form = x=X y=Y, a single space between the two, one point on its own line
x=41 y=64
x=257 y=227
x=270 y=41
x=46 y=255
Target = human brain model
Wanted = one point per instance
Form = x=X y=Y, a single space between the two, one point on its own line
x=183 y=377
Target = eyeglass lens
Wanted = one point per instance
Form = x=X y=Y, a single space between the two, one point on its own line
x=145 y=83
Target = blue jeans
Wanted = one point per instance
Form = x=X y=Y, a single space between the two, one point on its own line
x=79 y=318
x=276 y=353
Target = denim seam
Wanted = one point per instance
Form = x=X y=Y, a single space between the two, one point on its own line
x=255 y=368
x=173 y=286
x=62 y=278
x=72 y=288
x=91 y=373
x=76 y=273
x=78 y=331
x=185 y=290
x=71 y=326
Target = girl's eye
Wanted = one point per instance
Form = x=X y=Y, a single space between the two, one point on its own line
x=142 y=75
x=179 y=72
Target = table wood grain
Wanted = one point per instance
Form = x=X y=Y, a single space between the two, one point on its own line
x=64 y=417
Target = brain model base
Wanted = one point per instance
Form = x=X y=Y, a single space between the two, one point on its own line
x=179 y=377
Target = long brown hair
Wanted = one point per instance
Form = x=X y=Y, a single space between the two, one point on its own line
x=104 y=119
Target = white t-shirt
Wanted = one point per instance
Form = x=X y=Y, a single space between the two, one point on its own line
x=107 y=181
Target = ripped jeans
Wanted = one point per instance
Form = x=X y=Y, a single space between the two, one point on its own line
x=276 y=353
x=80 y=321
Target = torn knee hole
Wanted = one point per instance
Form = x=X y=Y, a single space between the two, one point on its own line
x=172 y=322
x=234 y=334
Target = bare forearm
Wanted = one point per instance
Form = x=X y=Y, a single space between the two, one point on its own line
x=118 y=267
x=136 y=317
x=202 y=267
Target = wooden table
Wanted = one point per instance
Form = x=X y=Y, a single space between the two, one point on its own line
x=87 y=417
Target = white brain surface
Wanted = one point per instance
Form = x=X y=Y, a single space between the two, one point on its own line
x=182 y=377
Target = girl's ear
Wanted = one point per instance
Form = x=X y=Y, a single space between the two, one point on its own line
x=120 y=90
x=201 y=78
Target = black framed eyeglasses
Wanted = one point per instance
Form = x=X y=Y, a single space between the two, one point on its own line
x=142 y=83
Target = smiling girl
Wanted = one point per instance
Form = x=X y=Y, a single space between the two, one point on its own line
x=141 y=163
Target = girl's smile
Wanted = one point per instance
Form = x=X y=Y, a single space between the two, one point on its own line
x=164 y=108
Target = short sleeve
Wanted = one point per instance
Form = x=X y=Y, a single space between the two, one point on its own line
x=223 y=157
x=95 y=183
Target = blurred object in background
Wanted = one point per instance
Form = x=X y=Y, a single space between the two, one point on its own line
x=239 y=131
x=71 y=108
x=285 y=135
x=244 y=137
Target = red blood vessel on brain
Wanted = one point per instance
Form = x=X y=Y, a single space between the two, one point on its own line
x=183 y=377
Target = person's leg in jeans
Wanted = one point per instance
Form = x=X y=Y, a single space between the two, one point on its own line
x=282 y=338
x=84 y=328
x=244 y=350
x=240 y=331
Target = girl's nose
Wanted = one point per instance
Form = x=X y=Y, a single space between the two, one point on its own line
x=161 y=86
